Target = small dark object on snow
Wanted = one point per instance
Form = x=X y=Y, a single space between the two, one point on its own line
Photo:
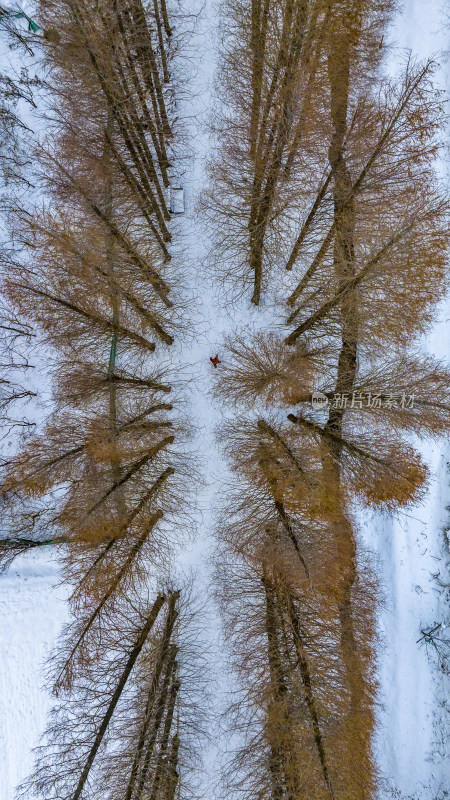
x=176 y=200
x=214 y=361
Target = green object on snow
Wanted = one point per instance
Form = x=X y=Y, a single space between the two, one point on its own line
x=32 y=25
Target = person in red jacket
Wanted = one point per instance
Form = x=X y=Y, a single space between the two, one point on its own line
x=214 y=361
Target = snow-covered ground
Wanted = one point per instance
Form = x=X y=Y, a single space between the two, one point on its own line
x=413 y=548
x=32 y=606
x=32 y=612
x=412 y=720
x=410 y=549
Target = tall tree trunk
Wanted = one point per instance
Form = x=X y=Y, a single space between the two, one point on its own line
x=113 y=586
x=110 y=267
x=271 y=151
x=161 y=707
x=161 y=770
x=309 y=694
x=163 y=656
x=162 y=50
x=117 y=695
x=278 y=686
x=342 y=42
x=172 y=774
x=260 y=14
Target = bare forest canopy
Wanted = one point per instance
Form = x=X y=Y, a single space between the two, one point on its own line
x=103 y=479
x=325 y=208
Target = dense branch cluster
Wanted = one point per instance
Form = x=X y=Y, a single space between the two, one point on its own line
x=128 y=725
x=16 y=92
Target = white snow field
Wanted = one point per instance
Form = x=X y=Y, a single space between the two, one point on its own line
x=413 y=736
x=32 y=612
x=410 y=549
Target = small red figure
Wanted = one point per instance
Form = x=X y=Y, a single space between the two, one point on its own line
x=214 y=361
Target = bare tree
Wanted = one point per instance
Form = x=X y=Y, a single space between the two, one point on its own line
x=364 y=245
x=105 y=478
